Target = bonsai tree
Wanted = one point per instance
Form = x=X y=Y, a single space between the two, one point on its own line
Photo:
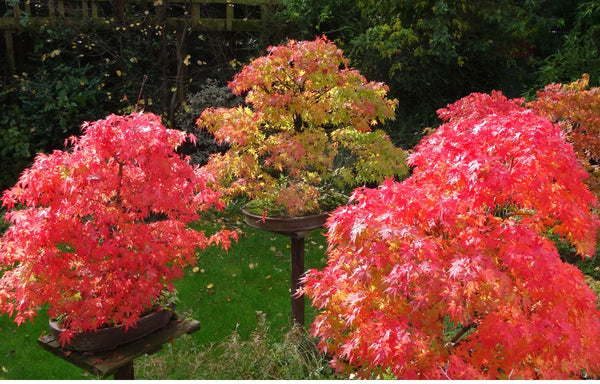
x=306 y=131
x=451 y=274
x=99 y=232
x=576 y=108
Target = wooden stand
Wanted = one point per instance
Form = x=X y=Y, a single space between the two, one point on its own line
x=297 y=269
x=295 y=228
x=119 y=361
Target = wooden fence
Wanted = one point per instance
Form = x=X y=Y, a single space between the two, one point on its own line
x=191 y=15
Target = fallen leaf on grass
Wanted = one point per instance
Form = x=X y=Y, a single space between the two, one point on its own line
x=196 y=269
x=210 y=285
x=4 y=370
x=268 y=277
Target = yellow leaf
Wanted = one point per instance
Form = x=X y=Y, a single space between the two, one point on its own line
x=210 y=285
x=196 y=269
x=4 y=370
x=186 y=61
x=118 y=73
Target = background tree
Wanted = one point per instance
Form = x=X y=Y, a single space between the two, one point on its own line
x=431 y=52
x=579 y=52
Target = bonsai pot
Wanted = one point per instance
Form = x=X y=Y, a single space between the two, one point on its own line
x=285 y=225
x=105 y=339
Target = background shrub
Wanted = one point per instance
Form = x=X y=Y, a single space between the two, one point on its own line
x=210 y=94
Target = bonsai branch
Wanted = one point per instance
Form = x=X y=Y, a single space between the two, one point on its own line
x=456 y=339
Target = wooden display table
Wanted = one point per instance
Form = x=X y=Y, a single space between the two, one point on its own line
x=119 y=361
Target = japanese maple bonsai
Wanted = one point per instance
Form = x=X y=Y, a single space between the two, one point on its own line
x=451 y=274
x=305 y=135
x=100 y=231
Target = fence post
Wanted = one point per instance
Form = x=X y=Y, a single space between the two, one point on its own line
x=17 y=15
x=229 y=16
x=94 y=9
x=10 y=51
x=51 y=11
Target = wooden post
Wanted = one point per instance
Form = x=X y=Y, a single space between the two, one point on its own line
x=17 y=15
x=161 y=15
x=84 y=8
x=119 y=9
x=195 y=14
x=51 y=11
x=181 y=56
x=125 y=372
x=297 y=269
x=10 y=51
x=94 y=9
x=229 y=16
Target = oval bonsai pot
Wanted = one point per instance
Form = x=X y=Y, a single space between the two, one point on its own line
x=286 y=224
x=105 y=339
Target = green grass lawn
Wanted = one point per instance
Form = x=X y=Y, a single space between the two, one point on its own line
x=224 y=293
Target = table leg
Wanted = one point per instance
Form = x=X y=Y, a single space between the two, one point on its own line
x=125 y=372
x=297 y=268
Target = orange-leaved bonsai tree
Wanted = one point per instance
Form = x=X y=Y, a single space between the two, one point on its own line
x=576 y=108
x=100 y=231
x=305 y=132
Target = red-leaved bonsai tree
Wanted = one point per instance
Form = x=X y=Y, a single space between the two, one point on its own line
x=576 y=108
x=306 y=130
x=98 y=232
x=450 y=274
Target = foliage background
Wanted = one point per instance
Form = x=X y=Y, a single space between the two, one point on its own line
x=430 y=53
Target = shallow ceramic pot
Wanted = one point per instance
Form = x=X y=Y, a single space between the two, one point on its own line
x=105 y=339
x=286 y=225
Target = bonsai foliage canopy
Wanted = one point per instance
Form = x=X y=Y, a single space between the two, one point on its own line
x=451 y=274
x=306 y=129
x=98 y=232
x=576 y=108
